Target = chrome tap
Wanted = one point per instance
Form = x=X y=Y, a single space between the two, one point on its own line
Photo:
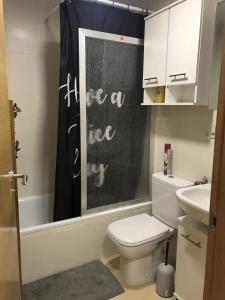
x=204 y=180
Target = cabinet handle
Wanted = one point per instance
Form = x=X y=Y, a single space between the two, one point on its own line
x=150 y=80
x=187 y=237
x=175 y=79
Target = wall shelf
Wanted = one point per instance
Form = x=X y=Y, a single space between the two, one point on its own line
x=174 y=95
x=167 y=104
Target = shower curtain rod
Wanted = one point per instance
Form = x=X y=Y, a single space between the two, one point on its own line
x=105 y=2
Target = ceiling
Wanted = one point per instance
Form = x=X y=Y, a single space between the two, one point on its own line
x=150 y=4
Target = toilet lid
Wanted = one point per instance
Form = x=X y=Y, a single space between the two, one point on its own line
x=137 y=230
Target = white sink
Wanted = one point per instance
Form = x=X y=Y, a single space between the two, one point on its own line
x=195 y=201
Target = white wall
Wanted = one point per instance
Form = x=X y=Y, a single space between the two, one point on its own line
x=33 y=72
x=185 y=128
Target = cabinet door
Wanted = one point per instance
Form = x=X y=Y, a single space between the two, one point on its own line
x=183 y=42
x=155 y=50
x=190 y=266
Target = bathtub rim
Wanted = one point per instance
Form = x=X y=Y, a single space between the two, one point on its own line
x=29 y=198
x=67 y=222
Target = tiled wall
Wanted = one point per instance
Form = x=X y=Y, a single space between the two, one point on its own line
x=185 y=128
x=33 y=72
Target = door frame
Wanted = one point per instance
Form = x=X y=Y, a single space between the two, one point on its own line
x=215 y=262
x=8 y=163
x=13 y=137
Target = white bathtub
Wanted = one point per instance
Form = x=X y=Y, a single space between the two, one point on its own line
x=36 y=210
x=50 y=248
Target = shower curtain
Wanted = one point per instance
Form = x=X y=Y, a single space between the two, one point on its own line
x=76 y=14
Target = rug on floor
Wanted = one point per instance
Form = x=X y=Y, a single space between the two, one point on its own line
x=92 y=281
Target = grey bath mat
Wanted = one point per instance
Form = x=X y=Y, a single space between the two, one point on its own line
x=92 y=281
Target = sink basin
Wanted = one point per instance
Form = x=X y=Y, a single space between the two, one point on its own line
x=195 y=201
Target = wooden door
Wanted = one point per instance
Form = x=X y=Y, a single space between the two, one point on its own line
x=155 y=50
x=10 y=275
x=183 y=42
x=215 y=267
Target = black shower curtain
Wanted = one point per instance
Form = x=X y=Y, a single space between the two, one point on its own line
x=76 y=14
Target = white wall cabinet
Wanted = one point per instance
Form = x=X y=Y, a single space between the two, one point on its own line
x=183 y=42
x=155 y=50
x=179 y=41
x=191 y=259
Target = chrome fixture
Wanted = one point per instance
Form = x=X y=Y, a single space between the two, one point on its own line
x=131 y=8
x=187 y=237
x=204 y=180
x=176 y=77
x=152 y=80
x=13 y=177
x=24 y=177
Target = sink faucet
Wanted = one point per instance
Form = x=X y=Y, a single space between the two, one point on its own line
x=204 y=180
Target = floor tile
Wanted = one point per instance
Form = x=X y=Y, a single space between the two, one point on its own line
x=144 y=292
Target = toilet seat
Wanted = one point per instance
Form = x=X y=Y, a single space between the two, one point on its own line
x=137 y=230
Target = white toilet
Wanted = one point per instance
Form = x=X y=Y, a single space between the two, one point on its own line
x=139 y=239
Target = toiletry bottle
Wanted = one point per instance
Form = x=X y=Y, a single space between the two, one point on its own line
x=160 y=94
x=166 y=149
x=169 y=162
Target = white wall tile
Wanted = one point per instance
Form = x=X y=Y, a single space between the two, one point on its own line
x=33 y=74
x=185 y=128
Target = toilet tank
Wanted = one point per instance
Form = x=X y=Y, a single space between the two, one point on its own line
x=164 y=202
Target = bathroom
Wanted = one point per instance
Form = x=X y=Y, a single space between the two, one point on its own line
x=96 y=166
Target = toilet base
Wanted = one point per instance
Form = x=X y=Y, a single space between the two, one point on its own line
x=142 y=270
x=136 y=271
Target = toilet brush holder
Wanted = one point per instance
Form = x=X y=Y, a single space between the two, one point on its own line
x=165 y=278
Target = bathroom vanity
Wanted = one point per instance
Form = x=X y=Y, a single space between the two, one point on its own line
x=191 y=259
x=192 y=241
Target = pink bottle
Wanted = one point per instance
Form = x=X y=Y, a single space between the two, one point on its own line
x=166 y=149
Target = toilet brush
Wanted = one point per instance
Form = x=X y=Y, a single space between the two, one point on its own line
x=165 y=277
